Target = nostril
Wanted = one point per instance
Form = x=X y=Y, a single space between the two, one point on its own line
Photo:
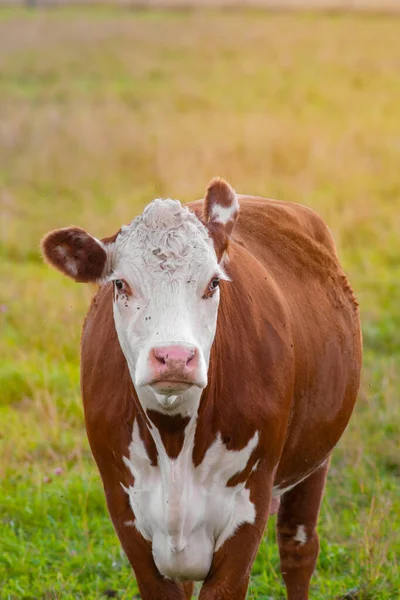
x=191 y=356
x=160 y=357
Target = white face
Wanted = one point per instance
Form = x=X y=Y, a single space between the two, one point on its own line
x=166 y=297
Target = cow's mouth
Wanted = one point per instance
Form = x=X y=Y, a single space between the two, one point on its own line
x=168 y=387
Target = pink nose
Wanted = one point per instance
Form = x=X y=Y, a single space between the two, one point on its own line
x=174 y=362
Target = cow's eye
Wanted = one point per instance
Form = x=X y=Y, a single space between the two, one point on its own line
x=214 y=283
x=123 y=289
x=212 y=286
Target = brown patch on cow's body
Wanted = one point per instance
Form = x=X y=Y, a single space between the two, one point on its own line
x=285 y=362
x=171 y=429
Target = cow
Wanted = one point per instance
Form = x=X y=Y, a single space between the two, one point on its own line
x=220 y=364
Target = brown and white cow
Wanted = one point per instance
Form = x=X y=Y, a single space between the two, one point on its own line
x=220 y=365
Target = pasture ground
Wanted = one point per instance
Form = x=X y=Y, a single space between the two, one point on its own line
x=100 y=112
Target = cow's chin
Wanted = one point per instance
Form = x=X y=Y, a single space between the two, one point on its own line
x=172 y=396
x=168 y=402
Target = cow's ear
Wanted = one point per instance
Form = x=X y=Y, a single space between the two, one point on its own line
x=77 y=254
x=221 y=209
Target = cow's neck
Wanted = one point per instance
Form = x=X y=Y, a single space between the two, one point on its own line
x=170 y=430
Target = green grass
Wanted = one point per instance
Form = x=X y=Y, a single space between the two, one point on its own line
x=100 y=112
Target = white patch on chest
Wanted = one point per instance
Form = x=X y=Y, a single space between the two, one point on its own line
x=188 y=512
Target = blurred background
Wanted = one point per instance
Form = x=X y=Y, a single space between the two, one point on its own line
x=102 y=109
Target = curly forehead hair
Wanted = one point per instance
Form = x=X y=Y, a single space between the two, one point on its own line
x=165 y=236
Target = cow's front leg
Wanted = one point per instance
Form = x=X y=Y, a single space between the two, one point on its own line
x=229 y=575
x=297 y=536
x=152 y=585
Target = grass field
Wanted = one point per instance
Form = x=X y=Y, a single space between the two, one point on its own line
x=100 y=112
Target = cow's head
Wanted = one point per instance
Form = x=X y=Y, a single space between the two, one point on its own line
x=165 y=266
